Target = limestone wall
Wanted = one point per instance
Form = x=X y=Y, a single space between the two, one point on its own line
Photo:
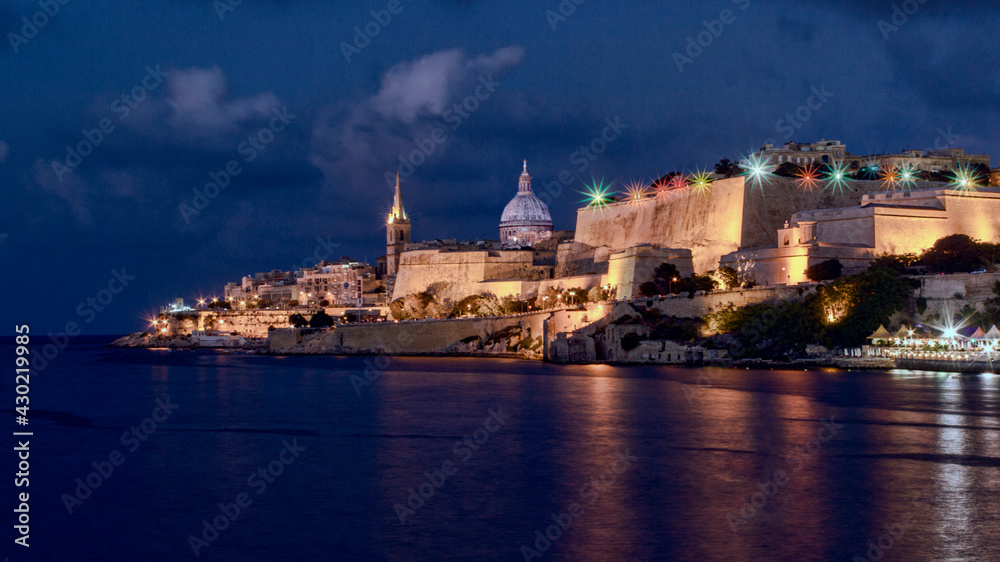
x=703 y=304
x=247 y=323
x=454 y=275
x=970 y=286
x=521 y=335
x=767 y=208
x=709 y=223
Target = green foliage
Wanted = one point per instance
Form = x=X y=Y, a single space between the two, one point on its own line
x=862 y=301
x=630 y=341
x=952 y=254
x=649 y=289
x=220 y=305
x=788 y=170
x=825 y=271
x=921 y=305
x=676 y=329
x=728 y=276
x=265 y=303
x=727 y=168
x=397 y=309
x=298 y=320
x=321 y=320
x=896 y=262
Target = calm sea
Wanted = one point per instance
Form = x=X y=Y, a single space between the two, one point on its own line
x=158 y=455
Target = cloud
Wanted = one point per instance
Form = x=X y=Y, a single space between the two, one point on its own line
x=201 y=105
x=427 y=85
x=70 y=189
x=354 y=143
x=3 y=151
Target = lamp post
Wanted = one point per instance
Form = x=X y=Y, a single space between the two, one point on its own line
x=672 y=281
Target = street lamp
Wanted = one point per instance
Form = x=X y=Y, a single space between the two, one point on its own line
x=672 y=281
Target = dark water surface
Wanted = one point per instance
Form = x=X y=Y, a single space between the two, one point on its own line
x=638 y=463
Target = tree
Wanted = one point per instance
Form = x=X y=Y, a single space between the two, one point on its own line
x=788 y=170
x=896 y=262
x=224 y=305
x=649 y=289
x=953 y=254
x=321 y=320
x=265 y=303
x=664 y=277
x=727 y=168
x=728 y=276
x=630 y=341
x=298 y=320
x=324 y=303
x=293 y=303
x=825 y=271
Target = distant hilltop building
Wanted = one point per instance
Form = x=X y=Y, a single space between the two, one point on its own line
x=830 y=151
x=525 y=220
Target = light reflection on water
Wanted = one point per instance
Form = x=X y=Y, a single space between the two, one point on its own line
x=708 y=444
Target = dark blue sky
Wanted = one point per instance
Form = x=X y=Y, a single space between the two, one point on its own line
x=322 y=175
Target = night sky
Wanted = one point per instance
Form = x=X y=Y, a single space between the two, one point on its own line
x=546 y=86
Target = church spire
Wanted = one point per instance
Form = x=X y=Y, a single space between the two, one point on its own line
x=398 y=213
x=524 y=184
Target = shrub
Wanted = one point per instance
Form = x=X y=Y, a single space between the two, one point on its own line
x=825 y=271
x=630 y=341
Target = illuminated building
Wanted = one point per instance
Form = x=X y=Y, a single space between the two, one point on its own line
x=525 y=220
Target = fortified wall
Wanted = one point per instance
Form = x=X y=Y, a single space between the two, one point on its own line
x=730 y=215
x=456 y=274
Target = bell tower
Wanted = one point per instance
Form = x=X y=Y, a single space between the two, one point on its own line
x=397 y=232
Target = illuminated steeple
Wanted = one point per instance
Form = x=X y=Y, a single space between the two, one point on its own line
x=398 y=213
x=524 y=185
x=397 y=233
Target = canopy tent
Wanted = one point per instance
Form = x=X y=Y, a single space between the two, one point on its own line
x=903 y=333
x=978 y=334
x=993 y=334
x=880 y=334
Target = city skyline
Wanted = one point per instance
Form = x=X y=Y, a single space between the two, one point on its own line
x=311 y=135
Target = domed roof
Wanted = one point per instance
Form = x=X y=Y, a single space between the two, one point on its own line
x=525 y=209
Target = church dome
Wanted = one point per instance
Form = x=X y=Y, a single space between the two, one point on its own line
x=525 y=220
x=525 y=209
